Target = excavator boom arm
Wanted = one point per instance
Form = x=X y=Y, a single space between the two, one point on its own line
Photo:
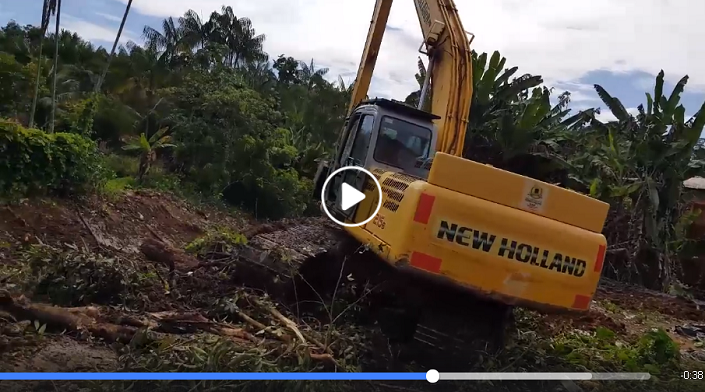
x=450 y=67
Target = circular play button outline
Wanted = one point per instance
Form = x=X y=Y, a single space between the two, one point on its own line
x=325 y=185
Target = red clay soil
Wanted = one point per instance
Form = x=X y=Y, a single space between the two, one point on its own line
x=99 y=223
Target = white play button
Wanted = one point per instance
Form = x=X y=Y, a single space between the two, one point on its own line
x=349 y=196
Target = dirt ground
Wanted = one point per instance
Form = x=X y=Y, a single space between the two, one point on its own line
x=180 y=299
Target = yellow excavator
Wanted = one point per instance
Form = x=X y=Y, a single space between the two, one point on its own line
x=453 y=222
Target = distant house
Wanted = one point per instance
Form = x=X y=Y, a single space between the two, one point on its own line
x=693 y=268
x=695 y=194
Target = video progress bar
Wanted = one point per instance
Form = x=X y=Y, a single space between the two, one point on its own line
x=434 y=376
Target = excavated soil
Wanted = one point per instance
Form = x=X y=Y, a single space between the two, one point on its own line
x=117 y=228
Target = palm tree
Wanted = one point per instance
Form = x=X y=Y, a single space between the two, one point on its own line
x=167 y=42
x=239 y=36
x=48 y=9
x=56 y=65
x=112 y=52
x=196 y=32
x=249 y=45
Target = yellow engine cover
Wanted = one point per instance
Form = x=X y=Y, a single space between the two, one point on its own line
x=513 y=190
x=518 y=251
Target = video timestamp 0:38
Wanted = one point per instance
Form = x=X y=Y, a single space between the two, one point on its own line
x=693 y=375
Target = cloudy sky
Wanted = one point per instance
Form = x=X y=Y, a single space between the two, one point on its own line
x=619 y=44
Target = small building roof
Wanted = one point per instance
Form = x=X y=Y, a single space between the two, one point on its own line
x=694 y=183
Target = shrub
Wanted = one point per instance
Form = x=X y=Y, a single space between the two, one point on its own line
x=160 y=179
x=34 y=162
x=122 y=165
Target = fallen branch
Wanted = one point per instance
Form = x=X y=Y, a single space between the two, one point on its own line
x=264 y=228
x=163 y=253
x=124 y=328
x=262 y=327
x=170 y=321
x=288 y=323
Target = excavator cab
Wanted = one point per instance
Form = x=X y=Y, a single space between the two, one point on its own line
x=379 y=134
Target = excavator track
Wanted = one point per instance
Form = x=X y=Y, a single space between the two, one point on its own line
x=424 y=323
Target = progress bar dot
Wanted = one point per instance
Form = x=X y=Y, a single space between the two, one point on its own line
x=432 y=376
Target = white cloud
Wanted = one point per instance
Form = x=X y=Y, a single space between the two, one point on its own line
x=560 y=40
x=606 y=115
x=580 y=93
x=113 y=18
x=91 y=31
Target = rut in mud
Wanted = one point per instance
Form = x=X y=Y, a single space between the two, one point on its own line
x=150 y=283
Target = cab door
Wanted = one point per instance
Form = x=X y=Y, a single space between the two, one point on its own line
x=355 y=153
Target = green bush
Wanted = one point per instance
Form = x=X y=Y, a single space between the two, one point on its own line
x=34 y=162
x=122 y=165
x=160 y=179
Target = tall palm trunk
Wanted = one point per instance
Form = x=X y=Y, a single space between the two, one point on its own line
x=56 y=65
x=47 y=9
x=36 y=84
x=112 y=52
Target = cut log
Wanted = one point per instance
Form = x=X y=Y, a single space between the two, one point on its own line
x=175 y=259
x=62 y=318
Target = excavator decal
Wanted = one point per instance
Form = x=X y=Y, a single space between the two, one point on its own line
x=526 y=253
x=510 y=249
x=453 y=233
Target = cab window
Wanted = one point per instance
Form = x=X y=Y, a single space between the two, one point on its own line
x=401 y=143
x=362 y=138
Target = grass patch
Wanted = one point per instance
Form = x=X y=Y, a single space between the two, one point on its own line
x=220 y=239
x=117 y=186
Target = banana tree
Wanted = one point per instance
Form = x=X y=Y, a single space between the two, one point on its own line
x=309 y=151
x=508 y=116
x=645 y=159
x=512 y=124
x=413 y=98
x=494 y=88
x=148 y=147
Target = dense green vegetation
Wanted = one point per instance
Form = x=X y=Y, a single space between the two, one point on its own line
x=199 y=107
x=202 y=109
